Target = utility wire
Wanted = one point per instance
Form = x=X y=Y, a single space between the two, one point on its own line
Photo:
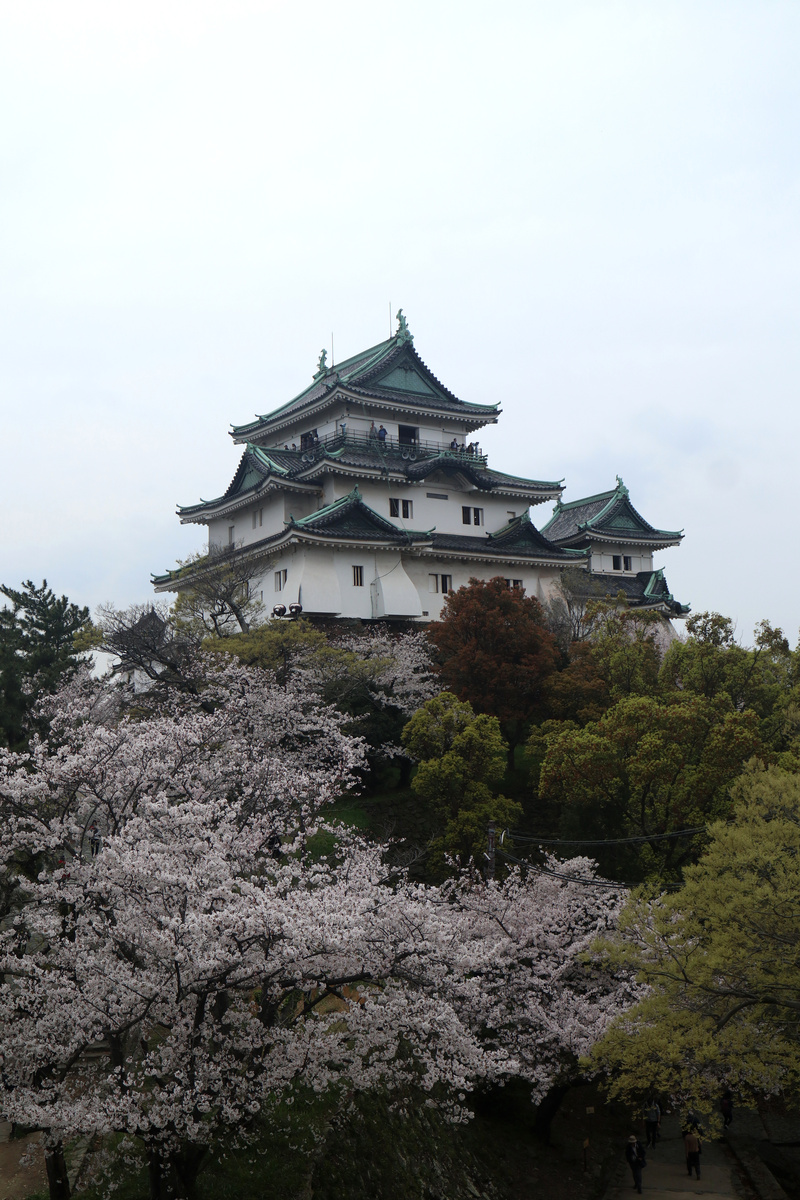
x=594 y=883
x=654 y=837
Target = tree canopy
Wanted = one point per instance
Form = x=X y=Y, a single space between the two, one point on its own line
x=721 y=960
x=496 y=652
x=37 y=649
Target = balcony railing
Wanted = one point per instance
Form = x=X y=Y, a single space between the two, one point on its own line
x=392 y=448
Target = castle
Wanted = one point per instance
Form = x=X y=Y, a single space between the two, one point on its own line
x=366 y=496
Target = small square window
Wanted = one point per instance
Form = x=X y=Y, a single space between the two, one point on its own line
x=628 y=562
x=358 y=576
x=394 y=508
x=617 y=561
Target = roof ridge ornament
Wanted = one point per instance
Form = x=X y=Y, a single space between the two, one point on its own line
x=623 y=491
x=403 y=334
x=322 y=365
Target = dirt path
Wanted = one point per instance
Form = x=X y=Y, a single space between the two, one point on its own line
x=18 y=1181
x=665 y=1177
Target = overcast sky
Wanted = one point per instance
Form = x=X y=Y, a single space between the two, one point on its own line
x=589 y=212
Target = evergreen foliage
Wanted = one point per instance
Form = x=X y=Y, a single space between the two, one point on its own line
x=37 y=649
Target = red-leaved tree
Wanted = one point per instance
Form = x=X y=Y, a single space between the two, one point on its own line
x=496 y=652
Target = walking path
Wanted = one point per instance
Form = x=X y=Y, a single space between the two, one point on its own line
x=665 y=1177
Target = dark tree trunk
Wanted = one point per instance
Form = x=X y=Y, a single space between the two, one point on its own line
x=57 y=1179
x=173 y=1174
x=547 y=1109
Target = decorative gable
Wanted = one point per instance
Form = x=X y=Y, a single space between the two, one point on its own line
x=404 y=379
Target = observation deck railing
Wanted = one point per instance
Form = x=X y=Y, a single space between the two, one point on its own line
x=391 y=447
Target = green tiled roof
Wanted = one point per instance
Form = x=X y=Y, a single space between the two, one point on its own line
x=351 y=517
x=608 y=515
x=391 y=370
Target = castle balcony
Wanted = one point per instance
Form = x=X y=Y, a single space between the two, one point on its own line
x=390 y=448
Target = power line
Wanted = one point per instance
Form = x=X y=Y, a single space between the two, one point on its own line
x=630 y=841
x=593 y=883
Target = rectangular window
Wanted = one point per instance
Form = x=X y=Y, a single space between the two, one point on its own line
x=358 y=576
x=231 y=534
x=627 y=562
x=280 y=580
x=516 y=584
x=255 y=518
x=447 y=584
x=433 y=583
x=466 y=514
x=408 y=509
x=260 y=517
x=437 y=495
x=407 y=435
x=477 y=516
x=394 y=508
x=617 y=561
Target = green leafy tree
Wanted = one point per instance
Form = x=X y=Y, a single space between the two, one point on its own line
x=721 y=960
x=646 y=768
x=496 y=653
x=38 y=632
x=709 y=662
x=215 y=598
x=462 y=759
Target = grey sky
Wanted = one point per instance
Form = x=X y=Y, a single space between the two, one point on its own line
x=589 y=212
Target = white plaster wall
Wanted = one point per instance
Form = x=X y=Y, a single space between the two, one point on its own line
x=603 y=558
x=444 y=515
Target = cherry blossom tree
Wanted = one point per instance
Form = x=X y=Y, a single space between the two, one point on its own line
x=180 y=947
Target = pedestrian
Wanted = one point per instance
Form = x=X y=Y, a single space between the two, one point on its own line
x=634 y=1153
x=454 y=444
x=726 y=1107
x=94 y=840
x=652 y=1121
x=373 y=433
x=693 y=1147
x=381 y=434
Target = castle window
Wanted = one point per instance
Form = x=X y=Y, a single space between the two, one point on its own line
x=280 y=580
x=408 y=509
x=440 y=583
x=307 y=440
x=258 y=517
x=394 y=508
x=516 y=584
x=628 y=561
x=471 y=516
x=437 y=495
x=407 y=435
x=617 y=561
x=358 y=576
x=231 y=534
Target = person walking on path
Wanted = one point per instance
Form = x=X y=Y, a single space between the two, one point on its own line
x=634 y=1153
x=692 y=1146
x=726 y=1107
x=652 y=1121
